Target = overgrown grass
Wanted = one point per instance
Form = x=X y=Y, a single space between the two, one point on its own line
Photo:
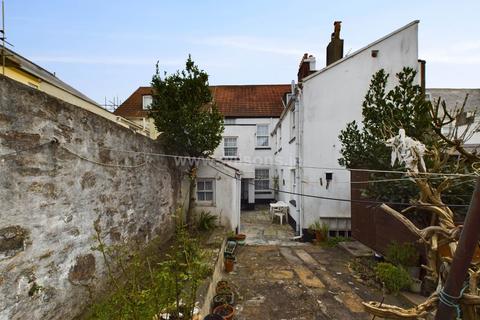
x=156 y=279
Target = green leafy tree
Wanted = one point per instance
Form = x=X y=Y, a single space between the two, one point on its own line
x=384 y=113
x=189 y=121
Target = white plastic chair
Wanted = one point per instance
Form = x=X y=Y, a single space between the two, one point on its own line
x=280 y=213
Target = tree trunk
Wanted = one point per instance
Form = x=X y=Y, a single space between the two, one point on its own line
x=192 y=175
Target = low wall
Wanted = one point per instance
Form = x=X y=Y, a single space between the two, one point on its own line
x=52 y=194
x=370 y=224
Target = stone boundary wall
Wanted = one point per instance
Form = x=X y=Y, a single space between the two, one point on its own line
x=51 y=194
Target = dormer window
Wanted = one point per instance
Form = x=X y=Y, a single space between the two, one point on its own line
x=147 y=102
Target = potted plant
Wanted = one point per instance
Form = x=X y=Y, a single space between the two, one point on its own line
x=320 y=229
x=213 y=317
x=231 y=236
x=223 y=298
x=240 y=238
x=225 y=310
x=228 y=262
x=220 y=285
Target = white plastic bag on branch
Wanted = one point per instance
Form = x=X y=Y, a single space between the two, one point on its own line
x=407 y=151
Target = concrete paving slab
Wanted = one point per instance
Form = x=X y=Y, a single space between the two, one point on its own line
x=287 y=253
x=281 y=274
x=307 y=277
x=308 y=259
x=356 y=249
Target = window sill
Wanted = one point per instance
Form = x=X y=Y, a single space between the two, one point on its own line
x=204 y=204
x=263 y=192
x=263 y=148
x=293 y=139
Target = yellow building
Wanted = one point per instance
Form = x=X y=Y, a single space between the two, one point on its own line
x=25 y=71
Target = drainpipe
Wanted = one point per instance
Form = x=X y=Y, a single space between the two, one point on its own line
x=422 y=74
x=239 y=196
x=298 y=170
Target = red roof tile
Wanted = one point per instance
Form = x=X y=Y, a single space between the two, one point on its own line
x=232 y=101
x=133 y=106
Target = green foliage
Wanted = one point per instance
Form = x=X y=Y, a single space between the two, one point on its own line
x=403 y=255
x=320 y=226
x=144 y=285
x=184 y=112
x=334 y=241
x=206 y=221
x=394 y=278
x=384 y=113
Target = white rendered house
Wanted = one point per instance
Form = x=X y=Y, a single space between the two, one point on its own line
x=324 y=101
x=251 y=112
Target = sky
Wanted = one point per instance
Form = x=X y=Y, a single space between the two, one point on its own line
x=107 y=48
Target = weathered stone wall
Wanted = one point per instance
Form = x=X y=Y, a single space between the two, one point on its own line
x=50 y=200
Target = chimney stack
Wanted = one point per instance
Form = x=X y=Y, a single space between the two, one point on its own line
x=335 y=47
x=307 y=66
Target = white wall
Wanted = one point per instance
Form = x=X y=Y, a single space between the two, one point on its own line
x=226 y=203
x=285 y=151
x=328 y=100
x=245 y=131
x=331 y=99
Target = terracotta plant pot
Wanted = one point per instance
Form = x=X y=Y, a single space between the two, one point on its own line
x=226 y=311
x=220 y=285
x=213 y=317
x=319 y=236
x=223 y=298
x=240 y=238
x=228 y=262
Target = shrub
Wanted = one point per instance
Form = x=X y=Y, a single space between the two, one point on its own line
x=394 y=278
x=206 y=221
x=333 y=241
x=320 y=226
x=403 y=255
x=146 y=281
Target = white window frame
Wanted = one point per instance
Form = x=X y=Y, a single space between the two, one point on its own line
x=262 y=179
x=144 y=105
x=266 y=135
x=231 y=147
x=205 y=191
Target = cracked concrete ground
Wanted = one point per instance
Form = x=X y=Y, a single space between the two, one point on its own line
x=275 y=280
